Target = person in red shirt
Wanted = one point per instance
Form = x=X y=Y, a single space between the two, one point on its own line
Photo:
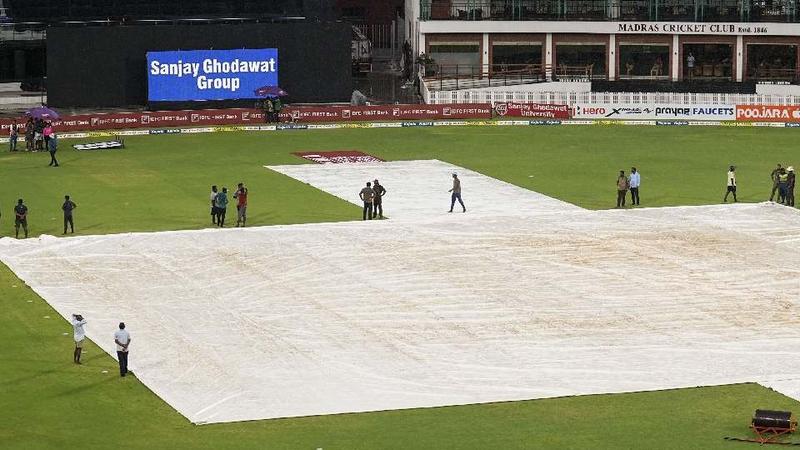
x=241 y=205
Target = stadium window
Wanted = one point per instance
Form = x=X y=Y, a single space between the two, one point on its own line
x=456 y=58
x=771 y=62
x=574 y=60
x=510 y=54
x=643 y=61
x=712 y=61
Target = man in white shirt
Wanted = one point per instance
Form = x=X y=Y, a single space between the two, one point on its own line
x=731 y=184
x=634 y=182
x=79 y=334
x=123 y=340
x=213 y=197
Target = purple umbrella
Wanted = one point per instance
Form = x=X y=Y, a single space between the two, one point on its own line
x=42 y=112
x=271 y=92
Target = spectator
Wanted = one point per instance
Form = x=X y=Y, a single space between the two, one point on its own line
x=622 y=189
x=268 y=110
x=690 y=65
x=68 y=207
x=13 y=134
x=277 y=107
x=47 y=132
x=30 y=132
x=52 y=147
x=731 y=184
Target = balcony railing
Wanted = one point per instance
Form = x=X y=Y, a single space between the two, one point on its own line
x=613 y=10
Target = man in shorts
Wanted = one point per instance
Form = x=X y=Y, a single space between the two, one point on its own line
x=21 y=218
x=78 y=322
x=241 y=204
x=731 y=184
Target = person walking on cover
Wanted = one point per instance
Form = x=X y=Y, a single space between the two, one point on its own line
x=241 y=205
x=78 y=322
x=634 y=181
x=52 y=147
x=367 y=196
x=377 y=203
x=68 y=207
x=790 y=187
x=123 y=339
x=731 y=184
x=622 y=189
x=221 y=202
x=456 y=194
x=20 y=218
x=214 y=205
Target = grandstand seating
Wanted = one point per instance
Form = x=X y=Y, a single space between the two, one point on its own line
x=85 y=10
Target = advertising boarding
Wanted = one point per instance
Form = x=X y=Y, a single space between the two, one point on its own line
x=197 y=75
x=767 y=113
x=664 y=112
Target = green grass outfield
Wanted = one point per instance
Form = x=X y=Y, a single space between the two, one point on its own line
x=161 y=183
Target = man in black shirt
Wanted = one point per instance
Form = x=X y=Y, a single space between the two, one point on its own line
x=67 y=207
x=21 y=218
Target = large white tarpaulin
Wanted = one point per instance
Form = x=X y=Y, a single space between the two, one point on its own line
x=508 y=301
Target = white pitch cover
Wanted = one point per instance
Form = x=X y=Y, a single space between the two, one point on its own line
x=521 y=297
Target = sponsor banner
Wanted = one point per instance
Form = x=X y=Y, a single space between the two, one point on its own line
x=388 y=112
x=654 y=112
x=767 y=113
x=338 y=157
x=243 y=116
x=99 y=145
x=191 y=75
x=544 y=122
x=672 y=122
x=532 y=110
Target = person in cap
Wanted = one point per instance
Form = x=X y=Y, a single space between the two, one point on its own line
x=783 y=184
x=790 y=186
x=731 y=184
x=456 y=194
x=377 y=201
